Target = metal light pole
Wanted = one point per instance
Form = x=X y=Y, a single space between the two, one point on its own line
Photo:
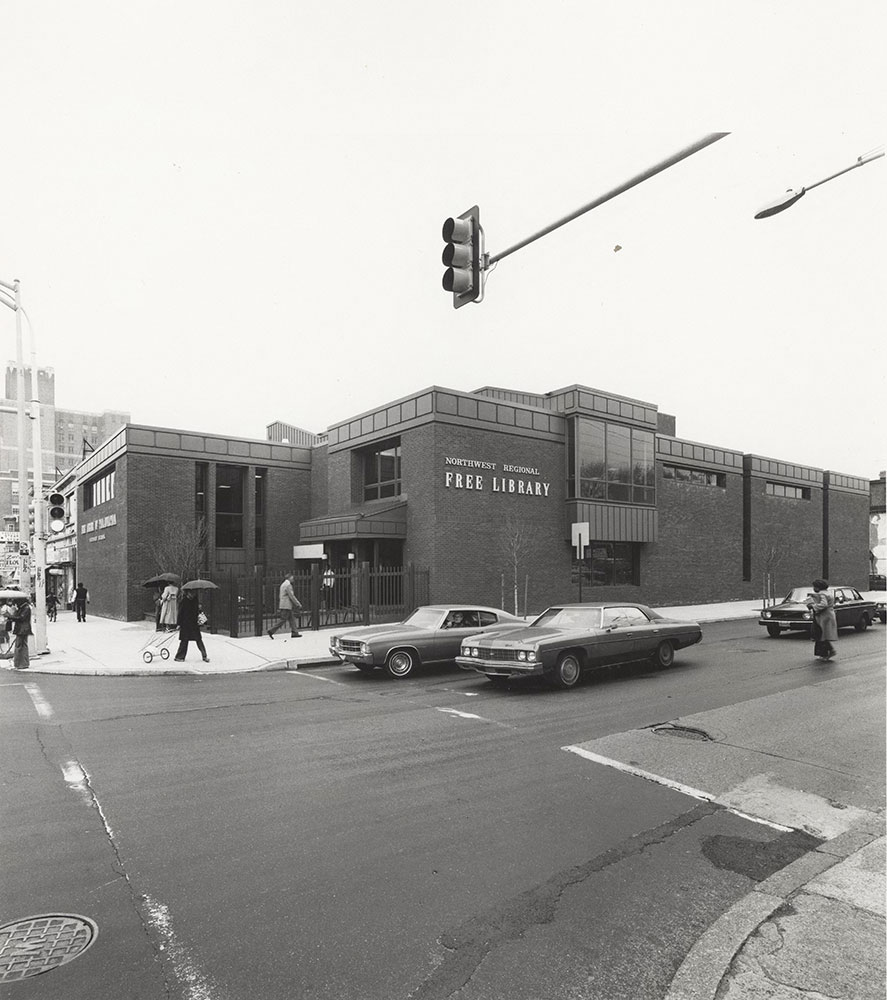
x=24 y=535
x=790 y=197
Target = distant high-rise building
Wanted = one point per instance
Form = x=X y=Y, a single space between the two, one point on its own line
x=66 y=436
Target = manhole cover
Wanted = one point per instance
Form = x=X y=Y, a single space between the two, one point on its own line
x=39 y=944
x=686 y=732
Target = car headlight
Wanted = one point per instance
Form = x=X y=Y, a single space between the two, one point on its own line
x=521 y=654
x=766 y=614
x=808 y=615
x=475 y=651
x=364 y=648
x=334 y=642
x=465 y=651
x=531 y=656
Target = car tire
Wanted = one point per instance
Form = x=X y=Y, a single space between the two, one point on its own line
x=400 y=662
x=774 y=631
x=863 y=623
x=883 y=617
x=664 y=655
x=567 y=671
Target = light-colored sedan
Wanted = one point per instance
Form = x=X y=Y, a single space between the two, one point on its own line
x=431 y=634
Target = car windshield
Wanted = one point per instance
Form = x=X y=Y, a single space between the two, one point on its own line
x=424 y=618
x=799 y=594
x=569 y=618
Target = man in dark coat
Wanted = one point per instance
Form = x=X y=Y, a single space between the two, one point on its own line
x=81 y=599
x=21 y=658
x=189 y=629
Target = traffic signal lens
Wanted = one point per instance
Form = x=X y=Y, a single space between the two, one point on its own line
x=56 y=511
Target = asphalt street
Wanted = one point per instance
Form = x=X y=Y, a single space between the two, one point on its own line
x=326 y=834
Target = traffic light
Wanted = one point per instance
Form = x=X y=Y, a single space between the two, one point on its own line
x=463 y=257
x=55 y=511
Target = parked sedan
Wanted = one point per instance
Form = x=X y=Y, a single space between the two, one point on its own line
x=430 y=634
x=564 y=641
x=852 y=610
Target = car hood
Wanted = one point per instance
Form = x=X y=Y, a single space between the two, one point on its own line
x=366 y=632
x=788 y=606
x=515 y=638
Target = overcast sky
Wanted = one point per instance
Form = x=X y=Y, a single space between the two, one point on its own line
x=224 y=214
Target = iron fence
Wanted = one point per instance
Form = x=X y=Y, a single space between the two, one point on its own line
x=247 y=604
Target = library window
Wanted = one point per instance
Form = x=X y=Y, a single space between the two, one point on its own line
x=229 y=506
x=609 y=564
x=607 y=461
x=790 y=492
x=381 y=471
x=696 y=477
x=99 y=490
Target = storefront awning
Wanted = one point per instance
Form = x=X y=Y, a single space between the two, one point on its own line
x=384 y=520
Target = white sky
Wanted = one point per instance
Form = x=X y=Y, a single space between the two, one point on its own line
x=224 y=214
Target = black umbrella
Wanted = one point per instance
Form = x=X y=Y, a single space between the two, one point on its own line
x=161 y=579
x=200 y=585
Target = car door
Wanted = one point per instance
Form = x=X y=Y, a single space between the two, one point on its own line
x=458 y=625
x=620 y=637
x=846 y=607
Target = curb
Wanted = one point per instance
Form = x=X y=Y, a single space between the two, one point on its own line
x=63 y=670
x=707 y=962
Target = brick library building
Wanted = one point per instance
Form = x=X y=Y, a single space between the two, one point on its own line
x=486 y=491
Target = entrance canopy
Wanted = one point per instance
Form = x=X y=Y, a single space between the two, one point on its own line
x=384 y=520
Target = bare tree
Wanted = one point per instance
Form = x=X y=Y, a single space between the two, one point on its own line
x=773 y=551
x=517 y=543
x=181 y=549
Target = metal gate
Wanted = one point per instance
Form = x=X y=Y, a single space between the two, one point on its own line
x=247 y=604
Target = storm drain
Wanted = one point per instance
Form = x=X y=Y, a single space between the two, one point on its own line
x=39 y=944
x=685 y=732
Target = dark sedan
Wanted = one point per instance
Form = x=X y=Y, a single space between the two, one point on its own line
x=564 y=641
x=430 y=634
x=852 y=610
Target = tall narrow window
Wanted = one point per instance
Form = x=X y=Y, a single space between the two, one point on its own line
x=229 y=506
x=381 y=471
x=260 y=508
x=201 y=477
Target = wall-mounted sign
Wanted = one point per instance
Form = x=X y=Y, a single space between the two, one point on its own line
x=517 y=482
x=102 y=522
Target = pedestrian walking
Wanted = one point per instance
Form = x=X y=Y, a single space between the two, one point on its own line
x=21 y=626
x=189 y=625
x=287 y=606
x=81 y=599
x=52 y=604
x=169 y=608
x=825 y=624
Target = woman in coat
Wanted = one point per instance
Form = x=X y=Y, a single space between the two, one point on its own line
x=189 y=628
x=169 y=608
x=825 y=624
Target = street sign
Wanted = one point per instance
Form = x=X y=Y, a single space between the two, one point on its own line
x=581 y=532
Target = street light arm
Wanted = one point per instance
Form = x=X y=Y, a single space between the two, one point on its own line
x=790 y=197
x=7 y=301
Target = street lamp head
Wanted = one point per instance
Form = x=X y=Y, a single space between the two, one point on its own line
x=781 y=203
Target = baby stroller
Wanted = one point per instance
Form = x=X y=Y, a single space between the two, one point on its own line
x=158 y=645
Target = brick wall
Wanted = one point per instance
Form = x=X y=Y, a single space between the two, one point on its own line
x=102 y=552
x=698 y=555
x=848 y=539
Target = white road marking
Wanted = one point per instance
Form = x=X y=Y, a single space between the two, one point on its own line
x=314 y=677
x=44 y=709
x=677 y=786
x=463 y=715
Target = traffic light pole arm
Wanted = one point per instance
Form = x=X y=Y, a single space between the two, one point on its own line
x=646 y=175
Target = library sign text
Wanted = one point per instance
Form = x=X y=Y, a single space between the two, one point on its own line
x=494 y=477
x=102 y=522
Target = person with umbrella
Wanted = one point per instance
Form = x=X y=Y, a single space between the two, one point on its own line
x=21 y=626
x=189 y=619
x=159 y=583
x=169 y=607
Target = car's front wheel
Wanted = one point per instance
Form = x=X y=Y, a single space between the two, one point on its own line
x=664 y=655
x=567 y=671
x=863 y=623
x=773 y=631
x=400 y=662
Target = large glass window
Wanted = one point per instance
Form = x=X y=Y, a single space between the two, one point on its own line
x=381 y=471
x=201 y=477
x=614 y=462
x=229 y=506
x=610 y=564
